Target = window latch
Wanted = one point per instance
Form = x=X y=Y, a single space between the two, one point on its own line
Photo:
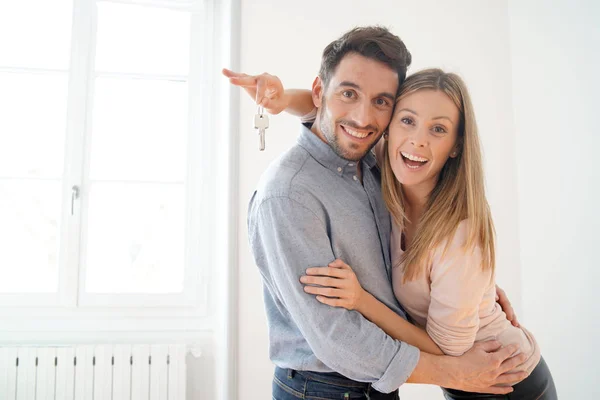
x=74 y=196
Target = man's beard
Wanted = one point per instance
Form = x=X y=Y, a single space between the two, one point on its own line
x=328 y=130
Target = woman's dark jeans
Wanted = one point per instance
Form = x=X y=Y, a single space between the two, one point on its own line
x=539 y=385
x=291 y=385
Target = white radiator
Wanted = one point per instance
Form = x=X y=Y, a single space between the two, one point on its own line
x=98 y=372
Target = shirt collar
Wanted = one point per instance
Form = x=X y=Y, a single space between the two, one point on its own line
x=325 y=155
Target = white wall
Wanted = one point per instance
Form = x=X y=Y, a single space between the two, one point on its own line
x=286 y=38
x=556 y=60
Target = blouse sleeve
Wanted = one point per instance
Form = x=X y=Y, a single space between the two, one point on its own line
x=458 y=284
x=310 y=117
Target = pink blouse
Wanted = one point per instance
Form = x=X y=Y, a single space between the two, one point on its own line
x=454 y=299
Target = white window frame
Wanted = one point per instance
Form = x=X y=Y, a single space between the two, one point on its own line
x=209 y=301
x=194 y=279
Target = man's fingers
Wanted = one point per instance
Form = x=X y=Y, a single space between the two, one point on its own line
x=511 y=378
x=505 y=352
x=508 y=309
x=512 y=363
x=496 y=390
x=489 y=346
x=510 y=313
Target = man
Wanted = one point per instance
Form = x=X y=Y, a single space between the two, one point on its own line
x=321 y=201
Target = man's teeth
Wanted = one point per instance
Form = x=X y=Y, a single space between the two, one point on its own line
x=414 y=158
x=360 y=135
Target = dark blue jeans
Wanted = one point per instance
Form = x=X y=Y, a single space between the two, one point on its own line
x=291 y=385
x=539 y=385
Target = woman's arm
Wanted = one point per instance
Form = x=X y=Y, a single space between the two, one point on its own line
x=299 y=102
x=396 y=326
x=267 y=90
x=458 y=287
x=339 y=287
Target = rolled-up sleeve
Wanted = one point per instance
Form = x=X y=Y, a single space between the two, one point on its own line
x=287 y=238
x=458 y=284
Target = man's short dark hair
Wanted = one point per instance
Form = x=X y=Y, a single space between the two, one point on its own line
x=373 y=42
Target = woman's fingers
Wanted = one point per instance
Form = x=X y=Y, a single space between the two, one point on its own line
x=261 y=87
x=245 y=81
x=239 y=79
x=326 y=271
x=322 y=281
x=231 y=74
x=265 y=89
x=339 y=264
x=268 y=87
x=330 y=302
x=337 y=281
x=324 y=291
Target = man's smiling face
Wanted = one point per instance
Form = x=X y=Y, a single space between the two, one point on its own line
x=356 y=106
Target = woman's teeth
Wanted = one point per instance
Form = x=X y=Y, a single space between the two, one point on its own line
x=413 y=162
x=414 y=158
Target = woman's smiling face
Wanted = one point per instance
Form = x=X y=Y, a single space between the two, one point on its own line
x=423 y=134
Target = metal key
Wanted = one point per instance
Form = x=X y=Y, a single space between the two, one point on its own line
x=261 y=122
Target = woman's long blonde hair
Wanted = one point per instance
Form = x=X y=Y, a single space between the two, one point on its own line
x=459 y=193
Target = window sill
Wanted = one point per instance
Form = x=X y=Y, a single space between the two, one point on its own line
x=50 y=329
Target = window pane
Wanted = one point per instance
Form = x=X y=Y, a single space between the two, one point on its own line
x=35 y=33
x=142 y=39
x=139 y=130
x=135 y=240
x=32 y=126
x=29 y=234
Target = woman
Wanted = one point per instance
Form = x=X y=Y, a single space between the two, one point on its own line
x=443 y=248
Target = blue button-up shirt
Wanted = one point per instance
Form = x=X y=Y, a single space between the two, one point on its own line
x=310 y=208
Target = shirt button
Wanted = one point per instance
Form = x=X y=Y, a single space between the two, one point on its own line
x=355 y=178
x=339 y=169
x=351 y=165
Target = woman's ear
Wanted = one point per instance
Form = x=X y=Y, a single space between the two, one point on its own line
x=456 y=150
